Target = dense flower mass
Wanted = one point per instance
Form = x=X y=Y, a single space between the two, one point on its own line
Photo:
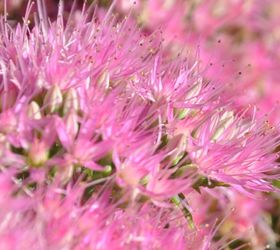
x=237 y=39
x=106 y=142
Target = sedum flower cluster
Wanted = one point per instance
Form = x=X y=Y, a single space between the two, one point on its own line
x=108 y=143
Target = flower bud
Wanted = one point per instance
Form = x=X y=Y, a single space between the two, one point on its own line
x=108 y=170
x=225 y=121
x=71 y=101
x=129 y=176
x=53 y=99
x=71 y=123
x=38 y=153
x=34 y=111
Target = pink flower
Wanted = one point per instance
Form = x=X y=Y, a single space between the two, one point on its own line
x=232 y=150
x=103 y=138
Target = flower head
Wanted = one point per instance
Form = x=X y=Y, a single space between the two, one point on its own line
x=103 y=138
